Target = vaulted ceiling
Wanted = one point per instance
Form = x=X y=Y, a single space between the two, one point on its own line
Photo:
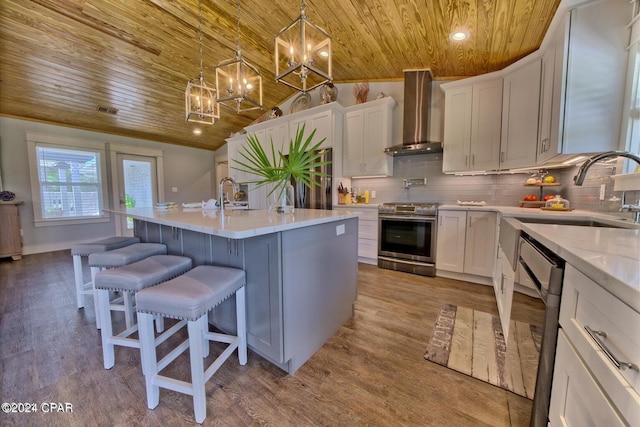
x=62 y=59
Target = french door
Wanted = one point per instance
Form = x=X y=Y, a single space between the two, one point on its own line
x=137 y=182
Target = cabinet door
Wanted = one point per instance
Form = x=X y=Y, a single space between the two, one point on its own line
x=479 y=251
x=457 y=129
x=279 y=134
x=551 y=102
x=520 y=107
x=353 y=144
x=265 y=323
x=234 y=146
x=576 y=398
x=323 y=124
x=504 y=293
x=10 y=243
x=451 y=239
x=377 y=134
x=486 y=125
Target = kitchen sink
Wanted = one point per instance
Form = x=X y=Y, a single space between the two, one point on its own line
x=567 y=221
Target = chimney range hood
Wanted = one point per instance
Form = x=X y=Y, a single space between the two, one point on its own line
x=417 y=101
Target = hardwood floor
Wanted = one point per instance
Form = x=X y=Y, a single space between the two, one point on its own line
x=372 y=372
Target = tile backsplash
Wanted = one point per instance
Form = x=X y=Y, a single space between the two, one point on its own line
x=503 y=190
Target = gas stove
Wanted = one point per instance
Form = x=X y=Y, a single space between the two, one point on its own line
x=405 y=208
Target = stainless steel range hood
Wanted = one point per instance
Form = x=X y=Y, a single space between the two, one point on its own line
x=417 y=101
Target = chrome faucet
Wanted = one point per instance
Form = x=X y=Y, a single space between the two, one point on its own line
x=221 y=191
x=579 y=178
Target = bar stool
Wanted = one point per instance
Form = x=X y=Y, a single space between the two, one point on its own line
x=131 y=279
x=189 y=298
x=84 y=250
x=119 y=258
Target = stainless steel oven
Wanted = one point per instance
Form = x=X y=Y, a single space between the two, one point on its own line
x=407 y=237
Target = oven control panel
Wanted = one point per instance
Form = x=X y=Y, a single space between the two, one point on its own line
x=425 y=209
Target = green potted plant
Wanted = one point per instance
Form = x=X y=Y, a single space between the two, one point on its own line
x=273 y=167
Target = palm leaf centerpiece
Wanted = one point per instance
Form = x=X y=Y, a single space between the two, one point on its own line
x=299 y=166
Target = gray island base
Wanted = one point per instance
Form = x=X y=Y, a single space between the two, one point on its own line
x=302 y=270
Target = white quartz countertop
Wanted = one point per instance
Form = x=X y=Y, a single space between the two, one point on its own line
x=235 y=224
x=609 y=256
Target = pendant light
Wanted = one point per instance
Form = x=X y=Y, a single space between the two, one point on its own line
x=303 y=54
x=199 y=99
x=238 y=83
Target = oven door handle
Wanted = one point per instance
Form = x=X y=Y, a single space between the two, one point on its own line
x=408 y=218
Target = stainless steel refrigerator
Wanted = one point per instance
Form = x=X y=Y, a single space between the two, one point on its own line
x=316 y=197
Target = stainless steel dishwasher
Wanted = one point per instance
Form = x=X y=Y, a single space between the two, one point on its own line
x=546 y=271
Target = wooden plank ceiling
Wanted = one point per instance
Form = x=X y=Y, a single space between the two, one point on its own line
x=61 y=59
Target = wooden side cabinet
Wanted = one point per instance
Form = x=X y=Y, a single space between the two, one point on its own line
x=10 y=241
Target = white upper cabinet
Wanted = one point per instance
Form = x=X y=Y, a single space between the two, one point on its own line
x=520 y=108
x=472 y=126
x=368 y=131
x=584 y=74
x=234 y=147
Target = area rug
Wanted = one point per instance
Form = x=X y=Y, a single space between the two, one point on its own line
x=471 y=342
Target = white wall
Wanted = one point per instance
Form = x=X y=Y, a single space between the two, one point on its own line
x=188 y=169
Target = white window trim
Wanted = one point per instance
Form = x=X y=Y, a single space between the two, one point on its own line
x=70 y=143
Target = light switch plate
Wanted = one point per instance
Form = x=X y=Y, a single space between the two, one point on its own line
x=602 y=191
x=174 y=189
x=339 y=229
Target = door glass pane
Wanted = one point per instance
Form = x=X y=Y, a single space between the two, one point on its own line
x=138 y=181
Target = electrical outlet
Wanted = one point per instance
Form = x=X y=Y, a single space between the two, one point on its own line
x=602 y=191
x=174 y=189
x=373 y=194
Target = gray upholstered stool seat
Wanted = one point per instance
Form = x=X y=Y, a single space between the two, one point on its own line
x=131 y=279
x=189 y=298
x=120 y=257
x=84 y=250
x=103 y=245
x=126 y=255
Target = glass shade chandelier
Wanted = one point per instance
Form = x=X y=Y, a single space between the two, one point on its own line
x=199 y=99
x=303 y=54
x=238 y=83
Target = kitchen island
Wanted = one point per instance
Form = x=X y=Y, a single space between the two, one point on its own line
x=302 y=270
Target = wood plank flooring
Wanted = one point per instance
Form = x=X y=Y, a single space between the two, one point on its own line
x=372 y=372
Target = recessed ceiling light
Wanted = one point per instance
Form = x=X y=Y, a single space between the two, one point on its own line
x=197 y=132
x=458 y=36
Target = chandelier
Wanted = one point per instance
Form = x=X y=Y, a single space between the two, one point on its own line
x=303 y=54
x=238 y=83
x=199 y=99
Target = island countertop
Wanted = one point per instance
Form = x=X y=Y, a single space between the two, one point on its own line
x=234 y=224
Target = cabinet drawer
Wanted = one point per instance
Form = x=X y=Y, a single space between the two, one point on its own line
x=576 y=399
x=367 y=248
x=368 y=214
x=368 y=229
x=585 y=303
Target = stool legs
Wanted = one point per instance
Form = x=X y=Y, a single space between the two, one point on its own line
x=79 y=279
x=241 y=319
x=108 y=353
x=198 y=344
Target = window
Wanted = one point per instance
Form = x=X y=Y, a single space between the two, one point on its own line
x=632 y=131
x=67 y=180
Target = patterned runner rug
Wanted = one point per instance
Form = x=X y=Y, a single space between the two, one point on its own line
x=471 y=342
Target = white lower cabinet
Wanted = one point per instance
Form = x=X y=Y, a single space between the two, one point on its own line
x=503 y=285
x=588 y=389
x=367 y=233
x=466 y=242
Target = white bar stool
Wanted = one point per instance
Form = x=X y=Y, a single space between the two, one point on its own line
x=119 y=258
x=189 y=298
x=131 y=279
x=84 y=250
